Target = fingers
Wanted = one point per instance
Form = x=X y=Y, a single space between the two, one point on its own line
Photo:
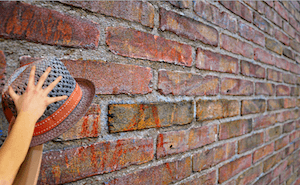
x=43 y=78
x=55 y=99
x=31 y=76
x=52 y=85
x=12 y=94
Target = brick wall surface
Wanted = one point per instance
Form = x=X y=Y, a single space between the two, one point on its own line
x=187 y=92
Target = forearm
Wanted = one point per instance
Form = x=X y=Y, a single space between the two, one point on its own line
x=16 y=145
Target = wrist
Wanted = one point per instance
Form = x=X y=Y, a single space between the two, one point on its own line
x=26 y=116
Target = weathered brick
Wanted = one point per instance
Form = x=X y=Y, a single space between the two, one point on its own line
x=112 y=78
x=236 y=46
x=279 y=169
x=230 y=169
x=76 y=163
x=251 y=34
x=285 y=175
x=2 y=70
x=216 y=109
x=162 y=174
x=295 y=68
x=282 y=90
x=295 y=45
x=274 y=75
x=263 y=152
x=289 y=78
x=232 y=86
x=282 y=142
x=262 y=88
x=270 y=3
x=208 y=178
x=273 y=46
x=289 y=102
x=180 y=83
x=253 y=106
x=294 y=136
x=284 y=116
x=208 y=158
x=297 y=124
x=212 y=61
x=252 y=70
x=181 y=4
x=88 y=126
x=263 y=56
x=288 y=53
x=289 y=29
x=239 y=9
x=291 y=179
x=281 y=10
x=262 y=24
x=215 y=16
x=188 y=28
x=282 y=37
x=132 y=43
x=264 y=121
x=235 y=128
x=250 y=175
x=267 y=178
x=271 y=161
x=275 y=182
x=272 y=15
x=38 y=24
x=250 y=142
x=275 y=104
x=294 y=23
x=251 y=3
x=137 y=11
x=180 y=141
x=288 y=127
x=127 y=117
x=282 y=63
x=296 y=4
x=295 y=91
x=273 y=133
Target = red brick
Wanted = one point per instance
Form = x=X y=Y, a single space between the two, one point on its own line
x=180 y=83
x=188 y=28
x=251 y=34
x=296 y=4
x=263 y=152
x=262 y=23
x=285 y=175
x=275 y=104
x=294 y=23
x=250 y=142
x=279 y=169
x=2 y=70
x=212 y=61
x=289 y=102
x=297 y=124
x=288 y=53
x=289 y=29
x=295 y=68
x=230 y=169
x=181 y=4
x=282 y=142
x=295 y=45
x=216 y=109
x=273 y=46
x=250 y=175
x=180 y=141
x=294 y=136
x=271 y=161
x=137 y=11
x=253 y=106
x=266 y=179
x=282 y=63
x=264 y=121
x=251 y=3
x=282 y=37
x=284 y=116
x=76 y=163
x=132 y=43
x=215 y=16
x=252 y=70
x=88 y=126
x=128 y=117
x=235 y=128
x=275 y=182
x=297 y=181
x=263 y=56
x=292 y=179
x=262 y=88
x=239 y=9
x=273 y=133
x=288 y=127
x=274 y=75
x=269 y=2
x=38 y=24
x=272 y=16
x=289 y=78
x=208 y=178
x=208 y=158
x=282 y=90
x=295 y=91
x=162 y=174
x=112 y=78
x=231 y=86
x=236 y=46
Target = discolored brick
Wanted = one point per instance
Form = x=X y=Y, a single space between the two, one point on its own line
x=216 y=109
x=264 y=121
x=253 y=106
x=230 y=169
x=236 y=46
x=282 y=142
x=273 y=46
x=282 y=37
x=181 y=4
x=179 y=83
x=281 y=10
x=271 y=161
x=289 y=78
x=289 y=102
x=208 y=158
x=272 y=15
x=251 y=34
x=263 y=56
x=128 y=117
x=295 y=45
x=250 y=142
x=250 y=175
x=38 y=24
x=235 y=128
x=132 y=43
x=262 y=88
x=279 y=169
x=231 y=86
x=275 y=104
x=273 y=133
x=295 y=91
x=289 y=53
x=294 y=136
x=239 y=9
x=136 y=11
x=295 y=68
x=285 y=175
x=263 y=152
x=188 y=28
x=282 y=90
x=212 y=61
x=289 y=29
x=208 y=178
x=288 y=127
x=274 y=75
x=252 y=70
x=76 y=163
x=262 y=23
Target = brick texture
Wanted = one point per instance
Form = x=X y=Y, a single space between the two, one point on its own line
x=250 y=175
x=252 y=70
x=239 y=9
x=250 y=142
x=267 y=89
x=236 y=46
x=263 y=152
x=264 y=121
x=235 y=128
x=253 y=106
x=251 y=34
x=231 y=86
x=209 y=178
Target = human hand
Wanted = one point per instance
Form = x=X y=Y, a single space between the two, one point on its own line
x=34 y=100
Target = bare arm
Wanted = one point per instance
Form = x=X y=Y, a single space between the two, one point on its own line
x=30 y=106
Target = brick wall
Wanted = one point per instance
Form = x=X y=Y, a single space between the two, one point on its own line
x=199 y=92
